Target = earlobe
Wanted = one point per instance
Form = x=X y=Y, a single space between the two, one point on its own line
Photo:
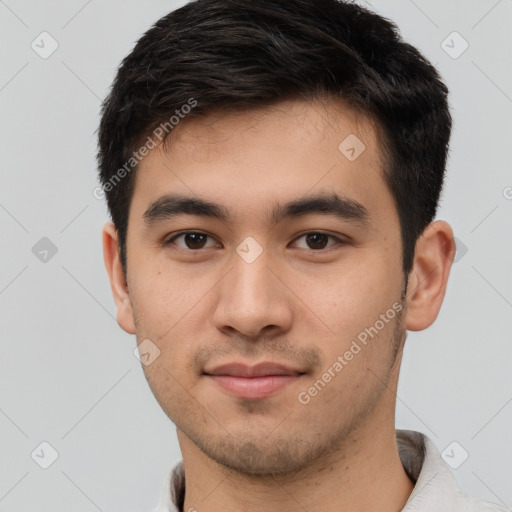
x=435 y=251
x=117 y=281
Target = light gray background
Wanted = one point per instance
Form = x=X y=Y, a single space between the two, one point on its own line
x=68 y=374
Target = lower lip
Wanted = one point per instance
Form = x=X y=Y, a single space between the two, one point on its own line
x=253 y=387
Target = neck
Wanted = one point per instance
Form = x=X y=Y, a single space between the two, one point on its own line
x=364 y=473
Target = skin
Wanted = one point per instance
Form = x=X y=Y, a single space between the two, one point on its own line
x=296 y=304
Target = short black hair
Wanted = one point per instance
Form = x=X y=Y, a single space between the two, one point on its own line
x=233 y=55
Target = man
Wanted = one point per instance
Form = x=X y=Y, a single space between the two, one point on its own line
x=273 y=170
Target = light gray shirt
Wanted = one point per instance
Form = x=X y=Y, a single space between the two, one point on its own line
x=435 y=488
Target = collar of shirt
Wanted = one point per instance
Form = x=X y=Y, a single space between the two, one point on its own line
x=435 y=487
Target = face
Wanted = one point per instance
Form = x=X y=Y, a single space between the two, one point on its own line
x=256 y=241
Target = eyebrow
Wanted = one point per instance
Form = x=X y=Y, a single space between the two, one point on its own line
x=173 y=205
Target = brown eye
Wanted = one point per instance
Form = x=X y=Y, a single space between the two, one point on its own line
x=190 y=240
x=194 y=240
x=317 y=241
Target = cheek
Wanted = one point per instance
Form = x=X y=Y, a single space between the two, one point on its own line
x=172 y=392
x=354 y=373
x=350 y=298
x=173 y=313
x=163 y=297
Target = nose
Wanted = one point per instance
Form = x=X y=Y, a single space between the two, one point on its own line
x=252 y=301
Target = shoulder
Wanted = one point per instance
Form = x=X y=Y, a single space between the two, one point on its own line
x=435 y=485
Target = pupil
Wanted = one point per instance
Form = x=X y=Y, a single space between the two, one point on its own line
x=317 y=239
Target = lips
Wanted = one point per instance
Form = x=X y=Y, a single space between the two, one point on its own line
x=260 y=370
x=253 y=382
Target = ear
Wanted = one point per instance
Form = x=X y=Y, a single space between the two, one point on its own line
x=117 y=282
x=434 y=254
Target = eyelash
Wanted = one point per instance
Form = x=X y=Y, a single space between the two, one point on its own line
x=171 y=240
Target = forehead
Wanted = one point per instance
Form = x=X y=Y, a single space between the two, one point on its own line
x=324 y=122
x=249 y=159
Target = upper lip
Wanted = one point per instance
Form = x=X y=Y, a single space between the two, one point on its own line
x=259 y=370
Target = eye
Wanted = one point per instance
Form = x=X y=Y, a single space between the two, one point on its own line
x=191 y=240
x=318 y=241
x=195 y=240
